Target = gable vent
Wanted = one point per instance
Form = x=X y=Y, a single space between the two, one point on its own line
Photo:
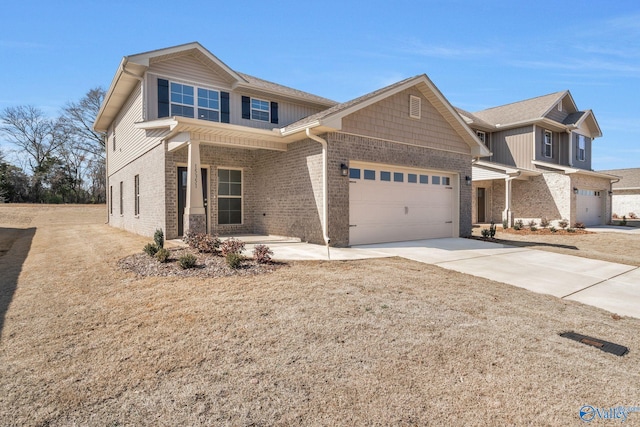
x=415 y=107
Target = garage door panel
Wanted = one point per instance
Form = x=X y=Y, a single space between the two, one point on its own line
x=386 y=211
x=589 y=207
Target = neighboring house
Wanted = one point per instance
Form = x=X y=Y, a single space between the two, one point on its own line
x=195 y=145
x=540 y=165
x=626 y=192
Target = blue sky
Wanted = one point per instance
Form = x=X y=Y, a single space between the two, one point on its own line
x=479 y=54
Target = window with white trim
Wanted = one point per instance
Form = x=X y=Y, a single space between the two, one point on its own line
x=547 y=148
x=111 y=200
x=184 y=102
x=582 y=147
x=482 y=136
x=229 y=196
x=259 y=109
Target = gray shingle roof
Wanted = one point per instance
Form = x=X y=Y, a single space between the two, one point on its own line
x=629 y=178
x=475 y=120
x=285 y=90
x=520 y=111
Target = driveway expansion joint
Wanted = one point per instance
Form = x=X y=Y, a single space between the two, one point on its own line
x=600 y=282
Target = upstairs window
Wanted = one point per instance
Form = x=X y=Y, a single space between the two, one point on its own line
x=482 y=136
x=547 y=148
x=259 y=109
x=182 y=100
x=208 y=104
x=582 y=147
x=177 y=99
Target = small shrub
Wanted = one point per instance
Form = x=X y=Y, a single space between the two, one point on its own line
x=615 y=216
x=544 y=222
x=262 y=254
x=532 y=224
x=492 y=230
x=485 y=233
x=533 y=228
x=234 y=260
x=187 y=261
x=163 y=255
x=633 y=215
x=158 y=238
x=202 y=242
x=231 y=246
x=579 y=225
x=150 y=249
x=624 y=220
x=553 y=229
x=505 y=224
x=519 y=225
x=571 y=230
x=563 y=223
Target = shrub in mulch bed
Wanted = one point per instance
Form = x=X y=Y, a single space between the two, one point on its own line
x=207 y=265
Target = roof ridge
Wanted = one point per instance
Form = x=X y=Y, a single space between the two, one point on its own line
x=521 y=101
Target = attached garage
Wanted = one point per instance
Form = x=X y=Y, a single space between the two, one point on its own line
x=390 y=203
x=589 y=205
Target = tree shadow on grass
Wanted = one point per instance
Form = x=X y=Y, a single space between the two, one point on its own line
x=14 y=248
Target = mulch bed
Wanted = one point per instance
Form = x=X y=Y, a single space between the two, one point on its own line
x=207 y=265
x=544 y=231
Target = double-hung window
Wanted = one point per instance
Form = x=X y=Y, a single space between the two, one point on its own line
x=259 y=110
x=482 y=136
x=182 y=100
x=229 y=196
x=178 y=99
x=208 y=104
x=121 y=198
x=582 y=147
x=547 y=149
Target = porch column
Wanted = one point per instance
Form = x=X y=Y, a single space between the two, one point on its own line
x=506 y=214
x=194 y=212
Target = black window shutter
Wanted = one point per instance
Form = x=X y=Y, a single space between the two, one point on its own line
x=163 y=98
x=274 y=112
x=224 y=107
x=246 y=107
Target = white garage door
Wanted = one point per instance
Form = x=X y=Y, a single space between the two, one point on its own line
x=589 y=207
x=391 y=204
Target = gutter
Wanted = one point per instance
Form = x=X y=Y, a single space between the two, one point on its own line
x=123 y=67
x=325 y=196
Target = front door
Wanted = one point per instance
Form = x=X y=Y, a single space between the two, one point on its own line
x=481 y=204
x=182 y=196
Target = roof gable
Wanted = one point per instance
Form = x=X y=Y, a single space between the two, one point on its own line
x=521 y=111
x=331 y=119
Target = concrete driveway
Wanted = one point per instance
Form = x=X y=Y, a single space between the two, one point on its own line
x=613 y=287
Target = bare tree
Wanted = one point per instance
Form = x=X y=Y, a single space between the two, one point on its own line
x=27 y=127
x=78 y=117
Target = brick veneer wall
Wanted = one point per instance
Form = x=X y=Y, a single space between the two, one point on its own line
x=152 y=195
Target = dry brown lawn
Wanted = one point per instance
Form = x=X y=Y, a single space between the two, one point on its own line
x=375 y=342
x=612 y=247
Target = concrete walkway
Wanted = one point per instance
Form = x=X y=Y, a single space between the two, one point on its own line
x=613 y=287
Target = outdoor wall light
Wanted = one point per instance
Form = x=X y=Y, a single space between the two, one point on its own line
x=610 y=192
x=344 y=169
x=575 y=190
x=467 y=179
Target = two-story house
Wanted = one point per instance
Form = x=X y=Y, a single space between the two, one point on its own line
x=194 y=145
x=540 y=165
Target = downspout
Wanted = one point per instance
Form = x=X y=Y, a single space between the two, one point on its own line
x=325 y=196
x=141 y=79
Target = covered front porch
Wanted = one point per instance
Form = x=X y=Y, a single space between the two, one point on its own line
x=492 y=192
x=226 y=179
